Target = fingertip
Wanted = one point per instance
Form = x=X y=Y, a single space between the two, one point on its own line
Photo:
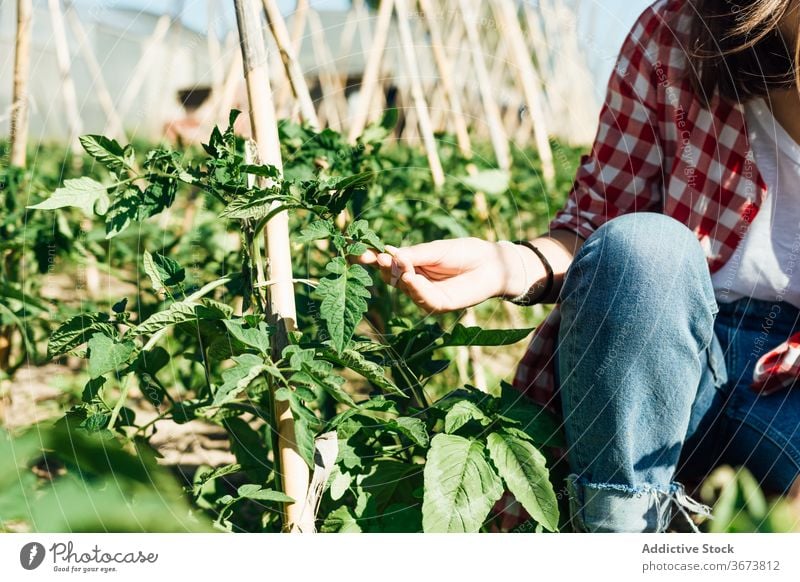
x=384 y=260
x=367 y=258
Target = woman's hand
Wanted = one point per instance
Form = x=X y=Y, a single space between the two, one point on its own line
x=446 y=275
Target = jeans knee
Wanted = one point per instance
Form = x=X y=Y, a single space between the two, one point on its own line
x=642 y=254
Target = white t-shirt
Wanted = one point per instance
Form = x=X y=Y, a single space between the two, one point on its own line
x=766 y=264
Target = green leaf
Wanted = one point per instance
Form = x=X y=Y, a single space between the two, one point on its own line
x=248 y=367
x=461 y=413
x=249 y=448
x=340 y=520
x=163 y=271
x=375 y=373
x=92 y=389
x=413 y=428
x=261 y=171
x=253 y=491
x=344 y=297
x=460 y=486
x=107 y=355
x=304 y=436
x=476 y=336
x=77 y=330
x=339 y=483
x=256 y=338
x=523 y=469
x=541 y=425
x=80 y=193
x=123 y=211
x=492 y=182
x=317 y=230
x=361 y=231
x=178 y=312
x=253 y=204
x=314 y=373
x=377 y=132
x=106 y=151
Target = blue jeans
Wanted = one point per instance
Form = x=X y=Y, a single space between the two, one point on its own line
x=654 y=378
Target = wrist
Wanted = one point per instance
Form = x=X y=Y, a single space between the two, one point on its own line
x=520 y=268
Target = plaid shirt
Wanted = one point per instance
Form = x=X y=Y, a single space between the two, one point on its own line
x=659 y=148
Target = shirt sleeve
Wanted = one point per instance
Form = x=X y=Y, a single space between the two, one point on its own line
x=623 y=172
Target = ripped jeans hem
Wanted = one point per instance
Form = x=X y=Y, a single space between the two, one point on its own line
x=610 y=507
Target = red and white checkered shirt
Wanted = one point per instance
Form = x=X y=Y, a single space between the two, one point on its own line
x=659 y=148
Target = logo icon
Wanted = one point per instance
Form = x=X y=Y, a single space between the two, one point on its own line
x=31 y=555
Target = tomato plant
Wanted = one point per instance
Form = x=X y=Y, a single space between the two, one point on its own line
x=404 y=462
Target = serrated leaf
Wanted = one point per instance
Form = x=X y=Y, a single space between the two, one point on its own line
x=255 y=204
x=461 y=487
x=309 y=371
x=107 y=355
x=256 y=338
x=122 y=211
x=106 y=151
x=317 y=230
x=344 y=297
x=375 y=373
x=178 y=312
x=248 y=367
x=461 y=413
x=361 y=231
x=77 y=330
x=162 y=271
x=524 y=470
x=80 y=193
x=413 y=428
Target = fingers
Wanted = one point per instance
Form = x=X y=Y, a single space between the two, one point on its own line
x=368 y=258
x=431 y=253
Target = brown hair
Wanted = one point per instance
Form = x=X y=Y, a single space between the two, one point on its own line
x=737 y=48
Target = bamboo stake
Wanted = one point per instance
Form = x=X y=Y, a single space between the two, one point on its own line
x=293 y=71
x=113 y=121
x=64 y=62
x=493 y=120
x=349 y=30
x=332 y=88
x=371 y=70
x=444 y=68
x=299 y=17
x=294 y=471
x=224 y=101
x=19 y=99
x=506 y=12
x=143 y=67
x=418 y=94
x=19 y=135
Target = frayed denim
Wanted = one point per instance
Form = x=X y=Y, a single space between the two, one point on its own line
x=643 y=379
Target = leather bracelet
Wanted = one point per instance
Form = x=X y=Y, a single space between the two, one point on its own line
x=537 y=291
